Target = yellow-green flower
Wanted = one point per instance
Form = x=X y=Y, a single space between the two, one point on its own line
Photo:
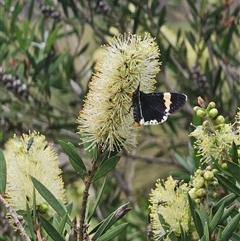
x=170 y=203
x=125 y=63
x=26 y=156
x=214 y=141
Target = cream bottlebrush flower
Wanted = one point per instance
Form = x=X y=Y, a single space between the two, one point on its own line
x=30 y=155
x=215 y=144
x=172 y=205
x=125 y=63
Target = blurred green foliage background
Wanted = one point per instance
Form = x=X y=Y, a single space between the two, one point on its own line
x=48 y=50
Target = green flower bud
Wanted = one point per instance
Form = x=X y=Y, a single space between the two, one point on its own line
x=196 y=108
x=215 y=195
x=198 y=172
x=215 y=183
x=201 y=192
x=197 y=200
x=224 y=166
x=205 y=123
x=215 y=171
x=208 y=175
x=198 y=182
x=192 y=193
x=43 y=208
x=220 y=120
x=201 y=113
x=211 y=105
x=213 y=113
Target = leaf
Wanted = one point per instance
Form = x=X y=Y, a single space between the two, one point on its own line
x=106 y=167
x=17 y=10
x=234 y=153
x=195 y=216
x=50 y=198
x=30 y=222
x=103 y=226
x=234 y=169
x=162 y=17
x=192 y=7
x=48 y=227
x=3 y=171
x=227 y=199
x=97 y=201
x=30 y=9
x=51 y=40
x=228 y=230
x=228 y=184
x=227 y=213
x=112 y=233
x=191 y=39
x=216 y=218
x=74 y=158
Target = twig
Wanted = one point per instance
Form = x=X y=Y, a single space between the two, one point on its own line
x=15 y=218
x=88 y=183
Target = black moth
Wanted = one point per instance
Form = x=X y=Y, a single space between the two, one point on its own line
x=154 y=108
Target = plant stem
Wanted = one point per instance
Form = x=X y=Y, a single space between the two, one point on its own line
x=15 y=218
x=88 y=182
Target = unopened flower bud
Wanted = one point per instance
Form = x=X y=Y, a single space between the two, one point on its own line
x=213 y=113
x=211 y=105
x=208 y=175
x=198 y=182
x=220 y=120
x=201 y=192
x=201 y=113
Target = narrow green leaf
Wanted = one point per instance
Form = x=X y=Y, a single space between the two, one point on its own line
x=51 y=40
x=17 y=10
x=103 y=227
x=162 y=17
x=3 y=171
x=50 y=198
x=227 y=199
x=56 y=63
x=30 y=9
x=112 y=233
x=30 y=223
x=106 y=167
x=227 y=213
x=216 y=218
x=228 y=230
x=62 y=224
x=184 y=235
x=34 y=205
x=234 y=153
x=52 y=232
x=234 y=169
x=97 y=201
x=72 y=153
x=191 y=39
x=195 y=216
x=192 y=7
x=172 y=236
x=228 y=184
